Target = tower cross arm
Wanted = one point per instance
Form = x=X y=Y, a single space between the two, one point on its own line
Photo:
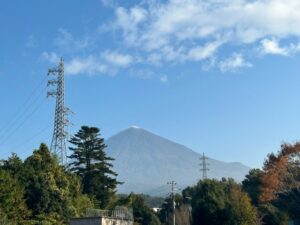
x=52 y=82
x=53 y=71
x=51 y=94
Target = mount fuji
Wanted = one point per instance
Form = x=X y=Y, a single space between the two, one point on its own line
x=145 y=162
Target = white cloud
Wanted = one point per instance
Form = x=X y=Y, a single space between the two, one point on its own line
x=129 y=20
x=171 y=32
x=203 y=52
x=198 y=19
x=182 y=54
x=162 y=28
x=271 y=46
x=89 y=65
x=235 y=62
x=117 y=59
x=107 y=62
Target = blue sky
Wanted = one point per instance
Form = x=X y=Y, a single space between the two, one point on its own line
x=221 y=77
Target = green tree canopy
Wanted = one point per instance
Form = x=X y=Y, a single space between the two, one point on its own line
x=51 y=192
x=220 y=202
x=41 y=191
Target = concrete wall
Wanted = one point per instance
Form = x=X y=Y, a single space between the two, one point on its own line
x=86 y=221
x=99 y=221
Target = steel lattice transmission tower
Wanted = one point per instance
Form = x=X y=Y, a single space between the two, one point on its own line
x=58 y=143
x=204 y=166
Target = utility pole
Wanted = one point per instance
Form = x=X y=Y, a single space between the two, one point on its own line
x=204 y=166
x=58 y=143
x=173 y=184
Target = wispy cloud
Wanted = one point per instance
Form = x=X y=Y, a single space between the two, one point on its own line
x=89 y=66
x=51 y=57
x=107 y=62
x=233 y=63
x=272 y=47
x=159 y=23
x=166 y=33
x=128 y=20
x=203 y=52
x=117 y=59
x=194 y=30
x=68 y=42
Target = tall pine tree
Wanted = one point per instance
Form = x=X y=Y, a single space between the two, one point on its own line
x=89 y=160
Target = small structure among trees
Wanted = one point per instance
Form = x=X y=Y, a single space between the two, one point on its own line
x=118 y=216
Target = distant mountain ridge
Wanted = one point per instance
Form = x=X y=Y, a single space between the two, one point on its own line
x=146 y=162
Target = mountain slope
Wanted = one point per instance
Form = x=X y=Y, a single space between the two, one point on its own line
x=146 y=162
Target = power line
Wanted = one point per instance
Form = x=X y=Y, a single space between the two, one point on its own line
x=12 y=132
x=47 y=138
x=204 y=166
x=25 y=107
x=37 y=134
x=30 y=150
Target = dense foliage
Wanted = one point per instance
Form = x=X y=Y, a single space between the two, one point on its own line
x=220 y=202
x=153 y=201
x=269 y=196
x=39 y=190
x=278 y=186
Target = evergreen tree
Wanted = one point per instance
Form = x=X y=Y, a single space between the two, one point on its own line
x=13 y=165
x=251 y=184
x=90 y=162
